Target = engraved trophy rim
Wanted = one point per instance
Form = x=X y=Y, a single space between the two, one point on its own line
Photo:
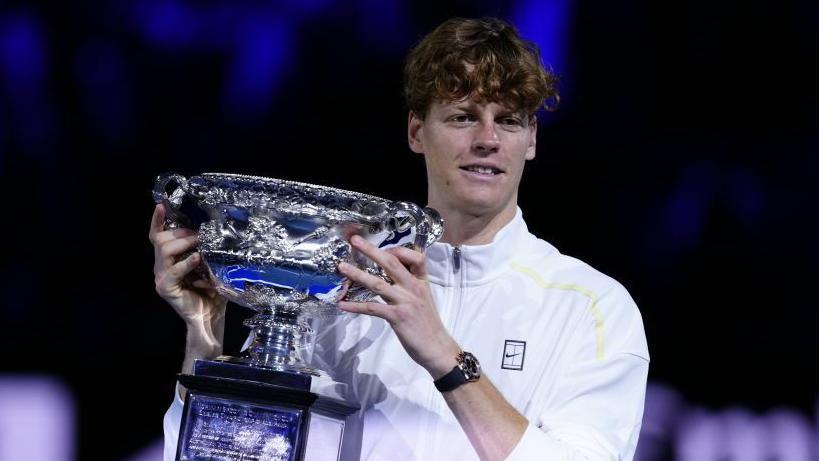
x=435 y=231
x=299 y=184
x=306 y=188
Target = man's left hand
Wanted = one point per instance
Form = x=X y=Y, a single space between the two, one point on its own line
x=411 y=310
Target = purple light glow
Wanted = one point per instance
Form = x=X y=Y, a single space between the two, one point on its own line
x=102 y=74
x=746 y=437
x=791 y=436
x=545 y=23
x=384 y=25
x=36 y=420
x=168 y=23
x=664 y=407
x=699 y=437
x=263 y=50
x=24 y=64
x=687 y=208
x=22 y=52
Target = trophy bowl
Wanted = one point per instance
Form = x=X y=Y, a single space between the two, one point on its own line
x=274 y=245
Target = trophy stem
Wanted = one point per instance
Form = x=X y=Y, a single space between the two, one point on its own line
x=277 y=342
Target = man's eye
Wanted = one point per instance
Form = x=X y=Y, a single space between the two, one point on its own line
x=461 y=118
x=511 y=121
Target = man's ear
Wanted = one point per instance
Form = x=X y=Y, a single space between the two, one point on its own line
x=530 y=149
x=415 y=126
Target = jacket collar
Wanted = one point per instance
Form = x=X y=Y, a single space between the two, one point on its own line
x=478 y=263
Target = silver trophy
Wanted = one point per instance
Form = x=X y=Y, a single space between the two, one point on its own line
x=274 y=246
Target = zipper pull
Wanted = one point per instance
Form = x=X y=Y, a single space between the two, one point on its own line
x=456 y=258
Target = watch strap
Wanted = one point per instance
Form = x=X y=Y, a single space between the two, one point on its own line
x=467 y=370
x=451 y=381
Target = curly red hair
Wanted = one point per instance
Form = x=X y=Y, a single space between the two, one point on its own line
x=485 y=59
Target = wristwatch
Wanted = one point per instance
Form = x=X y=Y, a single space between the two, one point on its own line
x=466 y=371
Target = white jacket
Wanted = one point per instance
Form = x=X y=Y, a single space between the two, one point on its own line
x=563 y=343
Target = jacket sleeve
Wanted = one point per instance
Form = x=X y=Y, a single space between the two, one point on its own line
x=594 y=409
x=598 y=418
x=170 y=425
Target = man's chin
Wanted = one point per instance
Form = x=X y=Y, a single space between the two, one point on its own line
x=480 y=208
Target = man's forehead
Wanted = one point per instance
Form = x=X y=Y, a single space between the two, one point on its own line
x=473 y=103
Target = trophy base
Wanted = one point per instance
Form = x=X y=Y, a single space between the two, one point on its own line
x=236 y=412
x=295 y=368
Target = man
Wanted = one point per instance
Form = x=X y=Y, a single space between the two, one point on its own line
x=562 y=349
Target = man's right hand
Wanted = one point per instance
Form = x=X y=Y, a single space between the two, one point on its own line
x=193 y=298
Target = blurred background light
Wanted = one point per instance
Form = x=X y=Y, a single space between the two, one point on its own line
x=37 y=418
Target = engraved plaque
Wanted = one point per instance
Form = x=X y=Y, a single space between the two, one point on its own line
x=219 y=429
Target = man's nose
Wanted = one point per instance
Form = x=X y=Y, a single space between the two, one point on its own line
x=486 y=139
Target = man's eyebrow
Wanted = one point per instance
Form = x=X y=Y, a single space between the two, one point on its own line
x=463 y=105
x=515 y=113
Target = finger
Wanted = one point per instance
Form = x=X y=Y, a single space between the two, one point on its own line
x=157 y=222
x=369 y=308
x=158 y=233
x=345 y=287
x=184 y=267
x=375 y=284
x=413 y=259
x=171 y=234
x=169 y=251
x=205 y=286
x=389 y=262
x=202 y=284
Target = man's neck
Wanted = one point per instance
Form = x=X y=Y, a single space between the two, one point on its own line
x=469 y=229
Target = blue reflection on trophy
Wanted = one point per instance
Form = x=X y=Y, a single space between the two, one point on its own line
x=273 y=246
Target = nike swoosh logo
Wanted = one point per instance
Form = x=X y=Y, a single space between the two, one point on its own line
x=511 y=355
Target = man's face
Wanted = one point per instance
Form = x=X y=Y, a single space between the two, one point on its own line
x=475 y=154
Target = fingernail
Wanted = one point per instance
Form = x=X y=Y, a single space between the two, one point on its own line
x=343 y=266
x=357 y=240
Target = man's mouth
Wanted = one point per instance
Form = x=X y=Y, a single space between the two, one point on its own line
x=487 y=170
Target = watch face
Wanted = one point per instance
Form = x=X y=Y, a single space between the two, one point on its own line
x=470 y=366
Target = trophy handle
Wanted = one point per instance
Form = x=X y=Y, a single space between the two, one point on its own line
x=418 y=220
x=173 y=217
x=435 y=225
x=429 y=226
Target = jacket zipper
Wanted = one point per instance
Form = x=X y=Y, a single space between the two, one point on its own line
x=459 y=287
x=434 y=439
x=456 y=259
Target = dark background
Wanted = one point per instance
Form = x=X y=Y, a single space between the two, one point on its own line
x=683 y=162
